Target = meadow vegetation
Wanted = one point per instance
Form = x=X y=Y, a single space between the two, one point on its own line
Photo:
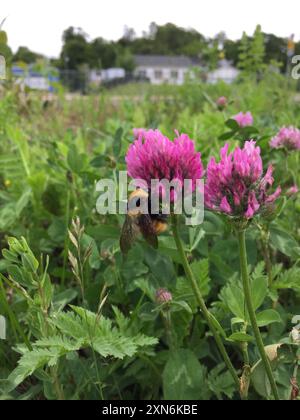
x=85 y=322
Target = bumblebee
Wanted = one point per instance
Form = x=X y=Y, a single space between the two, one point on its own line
x=140 y=221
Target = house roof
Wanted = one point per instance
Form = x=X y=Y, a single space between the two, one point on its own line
x=164 y=61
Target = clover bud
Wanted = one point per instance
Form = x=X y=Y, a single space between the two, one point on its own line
x=163 y=296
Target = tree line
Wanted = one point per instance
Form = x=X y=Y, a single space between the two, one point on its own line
x=79 y=51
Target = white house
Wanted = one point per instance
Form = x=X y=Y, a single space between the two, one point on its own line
x=99 y=76
x=37 y=82
x=160 y=69
x=225 y=71
x=34 y=79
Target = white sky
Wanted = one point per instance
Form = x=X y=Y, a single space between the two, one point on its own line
x=38 y=24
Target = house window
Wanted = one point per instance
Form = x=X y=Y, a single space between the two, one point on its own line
x=142 y=74
x=174 y=74
x=158 y=74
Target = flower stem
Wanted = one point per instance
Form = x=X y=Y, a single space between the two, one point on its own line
x=267 y=258
x=57 y=386
x=206 y=314
x=166 y=315
x=251 y=311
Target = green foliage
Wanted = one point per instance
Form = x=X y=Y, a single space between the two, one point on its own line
x=257 y=50
x=75 y=332
x=82 y=321
x=184 y=377
x=244 y=62
x=252 y=52
x=5 y=50
x=24 y=55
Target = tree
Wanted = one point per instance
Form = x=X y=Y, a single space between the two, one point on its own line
x=125 y=60
x=166 y=39
x=257 y=51
x=275 y=49
x=75 y=50
x=129 y=34
x=152 y=30
x=211 y=54
x=173 y=40
x=24 y=55
x=244 y=62
x=221 y=39
x=231 y=49
x=74 y=33
x=250 y=54
x=5 y=50
x=102 y=54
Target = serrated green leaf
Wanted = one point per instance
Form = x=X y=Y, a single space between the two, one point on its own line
x=29 y=363
x=221 y=382
x=233 y=297
x=201 y=271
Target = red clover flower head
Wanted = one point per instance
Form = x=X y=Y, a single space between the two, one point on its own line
x=287 y=137
x=153 y=156
x=236 y=185
x=163 y=296
x=244 y=120
x=222 y=102
x=292 y=191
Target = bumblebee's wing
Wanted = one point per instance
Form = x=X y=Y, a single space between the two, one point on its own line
x=130 y=231
x=147 y=229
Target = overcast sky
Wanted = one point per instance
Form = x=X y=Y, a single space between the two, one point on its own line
x=38 y=24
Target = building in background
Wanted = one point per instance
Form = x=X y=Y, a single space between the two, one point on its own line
x=159 y=69
x=33 y=79
x=107 y=75
x=225 y=72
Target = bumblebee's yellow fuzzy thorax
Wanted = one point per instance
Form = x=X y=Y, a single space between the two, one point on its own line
x=139 y=194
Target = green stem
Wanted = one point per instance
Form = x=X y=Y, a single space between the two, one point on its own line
x=244 y=347
x=97 y=374
x=206 y=314
x=295 y=374
x=246 y=375
x=67 y=240
x=166 y=315
x=13 y=319
x=57 y=386
x=91 y=335
x=251 y=311
x=267 y=258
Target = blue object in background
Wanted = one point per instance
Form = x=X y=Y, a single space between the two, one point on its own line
x=20 y=72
